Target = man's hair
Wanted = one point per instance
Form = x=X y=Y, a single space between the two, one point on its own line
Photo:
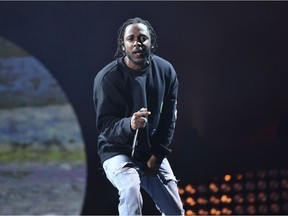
x=121 y=31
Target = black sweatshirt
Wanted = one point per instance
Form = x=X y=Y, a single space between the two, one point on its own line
x=119 y=92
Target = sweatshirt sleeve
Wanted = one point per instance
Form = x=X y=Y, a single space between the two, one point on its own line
x=108 y=103
x=168 y=114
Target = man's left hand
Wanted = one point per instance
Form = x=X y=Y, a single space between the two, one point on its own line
x=153 y=165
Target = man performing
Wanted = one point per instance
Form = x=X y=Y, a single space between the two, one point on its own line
x=135 y=99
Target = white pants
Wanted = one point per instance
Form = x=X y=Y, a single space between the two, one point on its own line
x=124 y=175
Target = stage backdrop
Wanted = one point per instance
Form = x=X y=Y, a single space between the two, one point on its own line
x=231 y=60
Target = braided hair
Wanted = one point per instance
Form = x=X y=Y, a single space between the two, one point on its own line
x=121 y=31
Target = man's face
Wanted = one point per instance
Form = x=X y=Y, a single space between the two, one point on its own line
x=137 y=45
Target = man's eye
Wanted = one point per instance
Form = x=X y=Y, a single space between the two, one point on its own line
x=143 y=38
x=130 y=38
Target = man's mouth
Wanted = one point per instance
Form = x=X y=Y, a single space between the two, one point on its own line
x=139 y=53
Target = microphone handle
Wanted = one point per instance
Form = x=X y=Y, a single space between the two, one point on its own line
x=135 y=141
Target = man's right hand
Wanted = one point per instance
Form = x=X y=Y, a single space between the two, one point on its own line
x=139 y=119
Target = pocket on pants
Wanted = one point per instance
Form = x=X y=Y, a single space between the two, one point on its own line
x=113 y=165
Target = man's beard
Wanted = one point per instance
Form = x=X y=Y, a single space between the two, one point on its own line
x=143 y=62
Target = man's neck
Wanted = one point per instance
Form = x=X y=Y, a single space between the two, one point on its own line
x=134 y=66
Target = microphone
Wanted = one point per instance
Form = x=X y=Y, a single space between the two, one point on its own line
x=135 y=141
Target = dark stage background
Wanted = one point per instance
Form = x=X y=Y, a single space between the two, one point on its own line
x=231 y=60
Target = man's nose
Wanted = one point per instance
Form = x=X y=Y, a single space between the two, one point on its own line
x=137 y=43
